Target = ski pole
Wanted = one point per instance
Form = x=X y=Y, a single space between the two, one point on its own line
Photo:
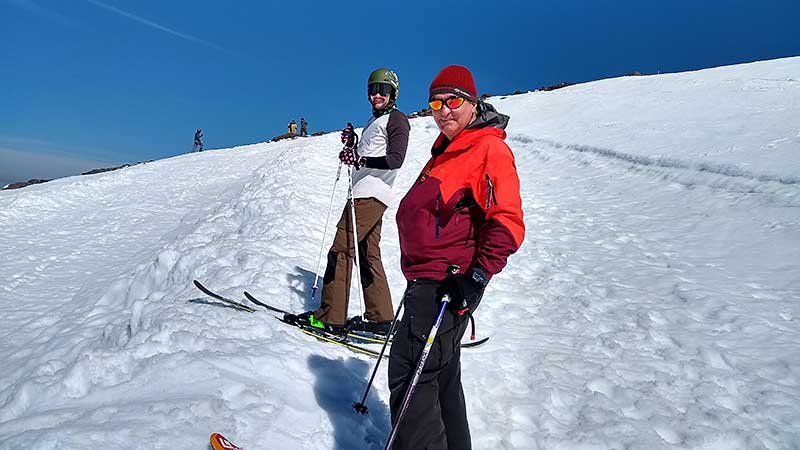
x=422 y=358
x=355 y=237
x=325 y=232
x=412 y=386
x=360 y=407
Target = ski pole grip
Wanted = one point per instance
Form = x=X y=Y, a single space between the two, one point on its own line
x=452 y=269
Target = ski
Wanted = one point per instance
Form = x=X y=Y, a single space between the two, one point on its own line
x=367 y=338
x=220 y=442
x=263 y=305
x=377 y=339
x=333 y=339
x=233 y=303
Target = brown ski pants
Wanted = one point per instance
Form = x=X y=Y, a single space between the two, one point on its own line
x=336 y=283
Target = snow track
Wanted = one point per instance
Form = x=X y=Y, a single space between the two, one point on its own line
x=635 y=319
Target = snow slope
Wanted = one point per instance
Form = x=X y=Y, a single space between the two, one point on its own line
x=653 y=305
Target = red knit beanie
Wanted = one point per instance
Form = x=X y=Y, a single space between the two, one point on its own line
x=454 y=79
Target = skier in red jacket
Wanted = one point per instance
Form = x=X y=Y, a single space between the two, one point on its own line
x=464 y=209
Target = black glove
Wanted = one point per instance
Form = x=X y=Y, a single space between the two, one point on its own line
x=465 y=290
x=349 y=136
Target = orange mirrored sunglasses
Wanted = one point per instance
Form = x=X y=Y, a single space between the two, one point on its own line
x=452 y=103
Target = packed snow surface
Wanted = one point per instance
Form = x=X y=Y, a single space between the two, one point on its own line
x=655 y=303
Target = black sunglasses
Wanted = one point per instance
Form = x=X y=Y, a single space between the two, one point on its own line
x=380 y=88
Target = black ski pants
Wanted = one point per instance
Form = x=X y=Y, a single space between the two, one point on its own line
x=437 y=417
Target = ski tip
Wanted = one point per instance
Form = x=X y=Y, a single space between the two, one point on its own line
x=219 y=442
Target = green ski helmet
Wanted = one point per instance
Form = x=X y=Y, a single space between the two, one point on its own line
x=385 y=76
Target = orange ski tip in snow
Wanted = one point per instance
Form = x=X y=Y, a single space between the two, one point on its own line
x=219 y=442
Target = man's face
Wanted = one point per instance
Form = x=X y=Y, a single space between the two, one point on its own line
x=453 y=121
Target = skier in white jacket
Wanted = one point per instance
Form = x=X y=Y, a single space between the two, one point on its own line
x=377 y=158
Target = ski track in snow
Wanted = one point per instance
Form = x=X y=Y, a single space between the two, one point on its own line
x=627 y=333
x=653 y=305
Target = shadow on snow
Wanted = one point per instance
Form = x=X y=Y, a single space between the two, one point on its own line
x=339 y=384
x=301 y=283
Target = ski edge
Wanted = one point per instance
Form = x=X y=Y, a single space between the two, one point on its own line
x=264 y=305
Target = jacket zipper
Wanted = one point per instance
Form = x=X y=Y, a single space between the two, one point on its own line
x=490 y=197
x=438 y=197
x=427 y=171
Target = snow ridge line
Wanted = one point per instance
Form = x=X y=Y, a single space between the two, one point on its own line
x=668 y=163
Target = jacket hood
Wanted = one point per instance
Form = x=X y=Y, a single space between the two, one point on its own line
x=489 y=117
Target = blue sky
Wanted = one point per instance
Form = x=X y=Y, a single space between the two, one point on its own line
x=87 y=83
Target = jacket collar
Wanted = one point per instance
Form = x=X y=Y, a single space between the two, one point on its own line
x=382 y=112
x=464 y=139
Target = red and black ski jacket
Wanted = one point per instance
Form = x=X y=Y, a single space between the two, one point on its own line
x=465 y=207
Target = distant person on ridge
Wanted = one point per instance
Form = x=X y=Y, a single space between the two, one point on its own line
x=293 y=127
x=464 y=209
x=303 y=127
x=379 y=155
x=198 y=140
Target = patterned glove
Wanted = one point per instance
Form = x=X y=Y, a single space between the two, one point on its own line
x=347 y=156
x=349 y=136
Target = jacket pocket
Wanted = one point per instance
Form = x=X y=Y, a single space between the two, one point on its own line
x=441 y=351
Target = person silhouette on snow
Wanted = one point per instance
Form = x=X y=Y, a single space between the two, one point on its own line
x=198 y=140
x=303 y=127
